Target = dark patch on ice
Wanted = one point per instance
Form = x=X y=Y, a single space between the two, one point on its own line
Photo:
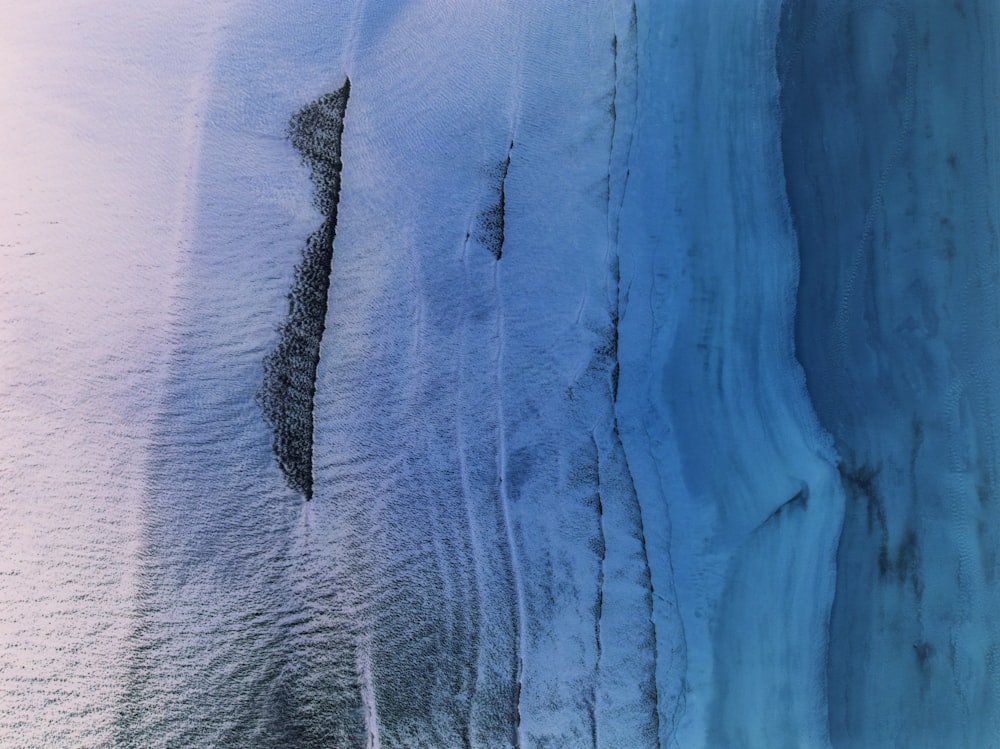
x=520 y=468
x=605 y=361
x=613 y=342
x=798 y=501
x=987 y=551
x=923 y=651
x=493 y=220
x=287 y=393
x=613 y=106
x=895 y=565
x=600 y=547
x=592 y=716
x=906 y=563
x=860 y=484
x=917 y=439
x=984 y=494
x=516 y=706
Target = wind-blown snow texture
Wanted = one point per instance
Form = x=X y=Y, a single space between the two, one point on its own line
x=647 y=400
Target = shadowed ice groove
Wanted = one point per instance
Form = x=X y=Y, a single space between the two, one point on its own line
x=892 y=177
x=558 y=299
x=647 y=323
x=627 y=709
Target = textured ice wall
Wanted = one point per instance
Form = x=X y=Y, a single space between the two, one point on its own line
x=891 y=163
x=719 y=425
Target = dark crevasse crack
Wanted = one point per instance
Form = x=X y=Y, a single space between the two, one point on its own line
x=627 y=508
x=287 y=393
x=633 y=72
x=493 y=218
x=602 y=551
x=609 y=348
x=650 y=688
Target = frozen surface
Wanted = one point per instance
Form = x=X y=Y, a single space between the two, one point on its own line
x=899 y=274
x=99 y=146
x=653 y=394
x=713 y=399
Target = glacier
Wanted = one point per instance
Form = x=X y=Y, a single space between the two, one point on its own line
x=904 y=383
x=636 y=360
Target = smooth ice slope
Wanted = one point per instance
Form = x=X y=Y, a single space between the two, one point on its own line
x=891 y=164
x=718 y=422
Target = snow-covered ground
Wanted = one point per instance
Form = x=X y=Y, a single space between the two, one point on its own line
x=654 y=401
x=99 y=147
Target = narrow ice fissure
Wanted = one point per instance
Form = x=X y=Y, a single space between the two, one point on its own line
x=614 y=211
x=502 y=206
x=506 y=510
x=599 y=607
x=645 y=572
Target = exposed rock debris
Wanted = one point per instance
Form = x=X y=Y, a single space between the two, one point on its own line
x=492 y=220
x=289 y=386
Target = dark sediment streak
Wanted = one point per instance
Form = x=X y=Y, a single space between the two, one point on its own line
x=289 y=387
x=492 y=220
